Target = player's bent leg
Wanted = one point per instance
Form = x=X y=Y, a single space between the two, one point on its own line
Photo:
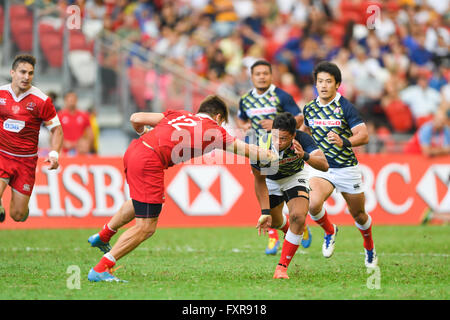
x=122 y=217
x=321 y=190
x=146 y=221
x=363 y=222
x=133 y=237
x=128 y=241
x=18 y=208
x=276 y=212
x=298 y=209
x=125 y=215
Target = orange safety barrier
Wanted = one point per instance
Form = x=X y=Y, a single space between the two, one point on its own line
x=86 y=191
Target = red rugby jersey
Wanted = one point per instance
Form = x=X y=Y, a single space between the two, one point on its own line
x=74 y=123
x=181 y=135
x=21 y=118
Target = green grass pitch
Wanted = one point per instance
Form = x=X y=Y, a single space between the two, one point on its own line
x=227 y=264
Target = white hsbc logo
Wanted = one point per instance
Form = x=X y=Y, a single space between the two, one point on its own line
x=325 y=123
x=204 y=190
x=428 y=189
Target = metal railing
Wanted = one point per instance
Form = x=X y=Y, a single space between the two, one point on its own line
x=146 y=81
x=126 y=77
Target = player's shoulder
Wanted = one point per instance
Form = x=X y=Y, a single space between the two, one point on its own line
x=5 y=87
x=171 y=113
x=37 y=93
x=301 y=135
x=345 y=103
x=247 y=94
x=309 y=105
x=281 y=93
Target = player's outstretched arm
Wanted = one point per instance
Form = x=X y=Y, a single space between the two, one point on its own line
x=140 y=120
x=251 y=151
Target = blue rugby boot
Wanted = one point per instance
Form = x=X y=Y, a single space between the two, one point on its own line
x=95 y=242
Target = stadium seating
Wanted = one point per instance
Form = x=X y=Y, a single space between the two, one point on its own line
x=399 y=116
x=1 y=21
x=83 y=67
x=21 y=27
x=52 y=47
x=137 y=86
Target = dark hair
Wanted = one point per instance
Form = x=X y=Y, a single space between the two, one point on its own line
x=328 y=67
x=261 y=63
x=28 y=58
x=285 y=121
x=214 y=105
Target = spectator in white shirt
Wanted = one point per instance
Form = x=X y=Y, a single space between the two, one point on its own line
x=421 y=99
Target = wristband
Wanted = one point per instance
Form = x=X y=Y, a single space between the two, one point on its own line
x=346 y=143
x=305 y=156
x=143 y=131
x=53 y=154
x=265 y=212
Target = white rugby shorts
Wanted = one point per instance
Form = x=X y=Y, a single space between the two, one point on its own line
x=276 y=187
x=348 y=180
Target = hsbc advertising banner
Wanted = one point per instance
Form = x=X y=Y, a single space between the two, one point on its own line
x=86 y=191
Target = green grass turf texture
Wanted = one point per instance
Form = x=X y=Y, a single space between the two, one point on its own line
x=228 y=264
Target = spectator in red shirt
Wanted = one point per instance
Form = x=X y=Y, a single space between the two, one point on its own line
x=78 y=135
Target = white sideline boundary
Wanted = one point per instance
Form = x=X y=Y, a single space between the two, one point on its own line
x=233 y=250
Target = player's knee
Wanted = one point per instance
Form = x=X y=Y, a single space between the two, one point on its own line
x=359 y=216
x=297 y=219
x=146 y=232
x=19 y=215
x=314 y=206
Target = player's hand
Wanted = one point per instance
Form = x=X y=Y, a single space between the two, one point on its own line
x=298 y=148
x=264 y=223
x=273 y=156
x=54 y=164
x=266 y=156
x=266 y=124
x=335 y=139
x=246 y=126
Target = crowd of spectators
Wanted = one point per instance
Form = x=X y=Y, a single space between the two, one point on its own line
x=393 y=54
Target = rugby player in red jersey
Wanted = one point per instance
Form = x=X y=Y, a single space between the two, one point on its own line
x=23 y=108
x=177 y=136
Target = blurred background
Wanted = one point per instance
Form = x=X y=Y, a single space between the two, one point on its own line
x=117 y=57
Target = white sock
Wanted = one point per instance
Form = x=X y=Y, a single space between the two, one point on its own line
x=109 y=257
x=107 y=225
x=293 y=238
x=319 y=215
x=366 y=225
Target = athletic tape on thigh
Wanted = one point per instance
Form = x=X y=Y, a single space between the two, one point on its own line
x=294 y=193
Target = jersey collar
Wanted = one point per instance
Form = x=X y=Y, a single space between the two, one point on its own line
x=204 y=115
x=256 y=95
x=336 y=98
x=21 y=96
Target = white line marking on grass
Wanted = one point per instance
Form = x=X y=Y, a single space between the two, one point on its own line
x=234 y=250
